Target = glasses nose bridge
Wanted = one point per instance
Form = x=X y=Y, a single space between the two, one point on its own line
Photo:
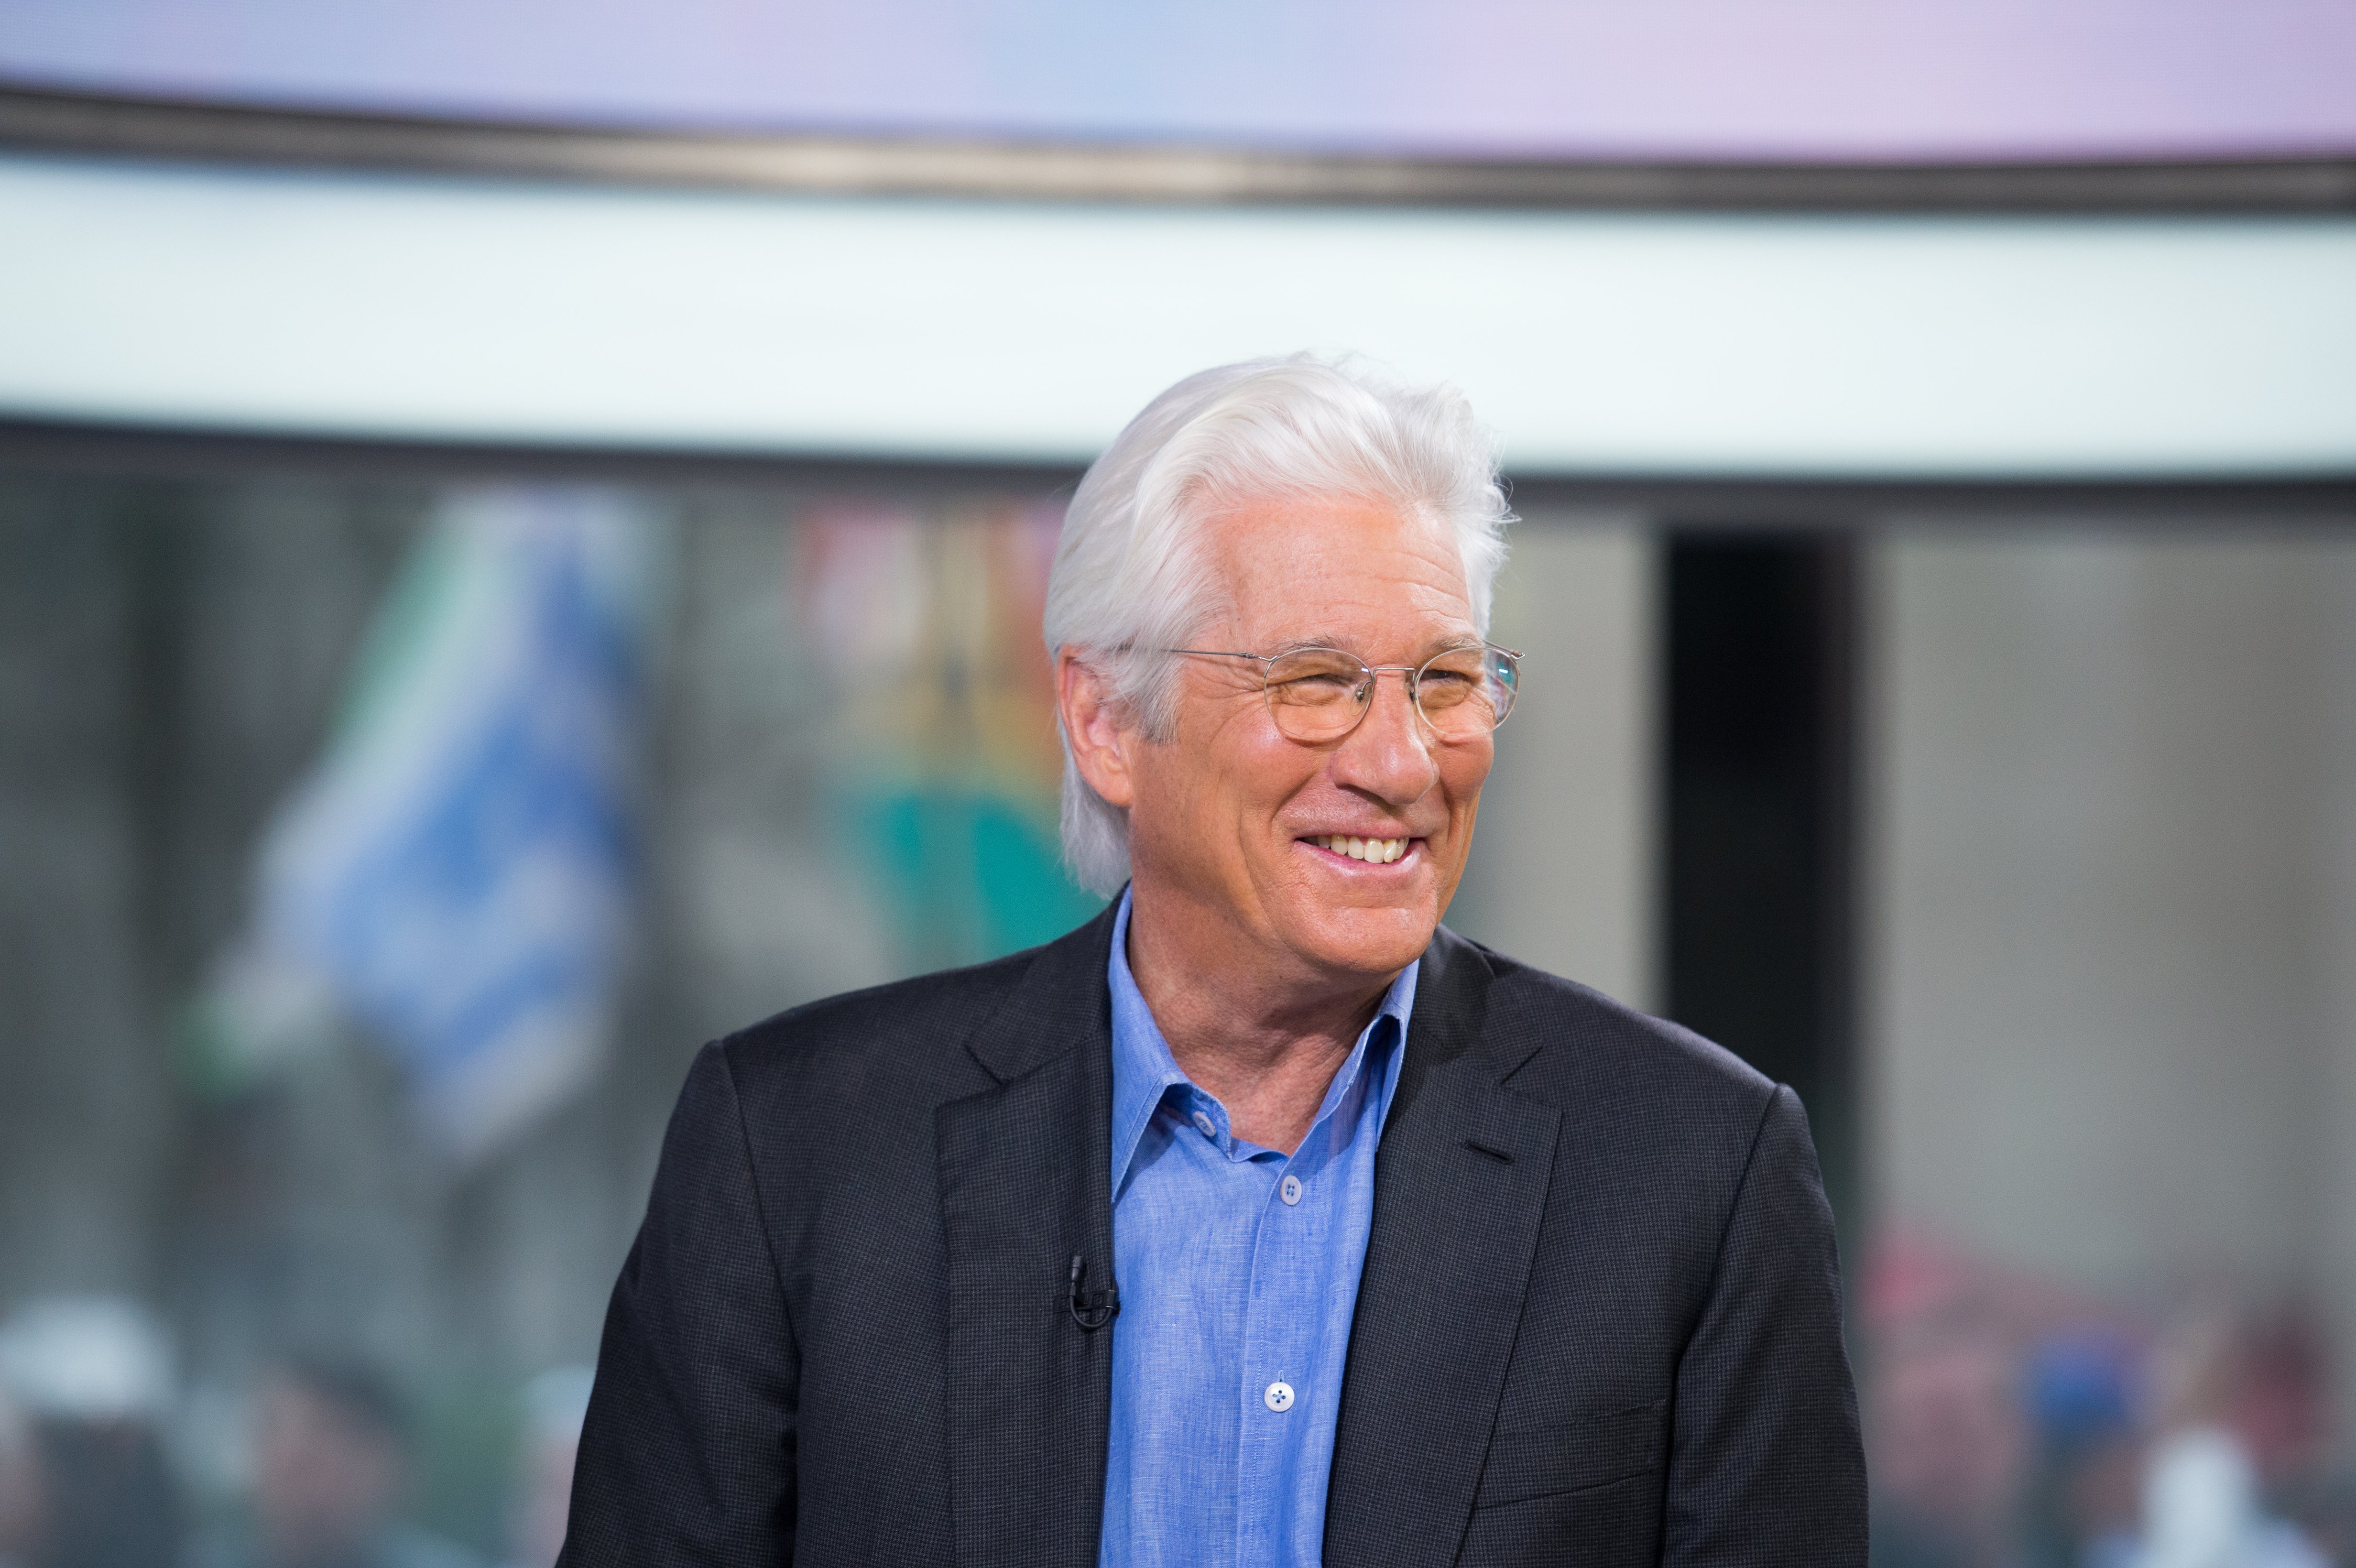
x=1375 y=672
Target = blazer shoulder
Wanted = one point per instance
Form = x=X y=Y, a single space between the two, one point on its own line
x=1583 y=1047
x=904 y=1029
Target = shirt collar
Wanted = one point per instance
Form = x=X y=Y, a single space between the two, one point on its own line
x=1143 y=1070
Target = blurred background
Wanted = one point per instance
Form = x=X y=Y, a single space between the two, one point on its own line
x=521 y=539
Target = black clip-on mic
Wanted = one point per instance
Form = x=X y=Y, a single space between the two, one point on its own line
x=1092 y=1309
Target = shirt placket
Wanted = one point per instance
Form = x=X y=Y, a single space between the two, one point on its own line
x=1283 y=1319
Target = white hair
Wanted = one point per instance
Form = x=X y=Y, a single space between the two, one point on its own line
x=1129 y=581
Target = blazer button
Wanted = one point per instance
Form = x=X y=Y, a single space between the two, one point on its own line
x=1278 y=1397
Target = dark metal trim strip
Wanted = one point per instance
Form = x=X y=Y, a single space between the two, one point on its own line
x=39 y=119
x=1735 y=501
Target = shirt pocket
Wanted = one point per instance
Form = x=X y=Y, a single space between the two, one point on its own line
x=1574 y=1454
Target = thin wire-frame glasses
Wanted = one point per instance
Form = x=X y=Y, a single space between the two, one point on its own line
x=1318 y=695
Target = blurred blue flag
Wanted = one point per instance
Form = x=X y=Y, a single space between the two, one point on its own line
x=456 y=876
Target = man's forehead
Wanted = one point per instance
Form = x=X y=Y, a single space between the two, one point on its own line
x=1343 y=573
x=1339 y=558
x=1302 y=614
x=1254 y=520
x=1433 y=639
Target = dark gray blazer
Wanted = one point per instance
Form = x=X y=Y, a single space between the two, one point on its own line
x=1600 y=1320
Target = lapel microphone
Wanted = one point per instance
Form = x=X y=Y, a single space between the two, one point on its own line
x=1092 y=1309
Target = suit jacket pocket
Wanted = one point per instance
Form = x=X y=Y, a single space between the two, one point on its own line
x=1575 y=1453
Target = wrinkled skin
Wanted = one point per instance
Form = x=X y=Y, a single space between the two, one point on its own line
x=1261 y=953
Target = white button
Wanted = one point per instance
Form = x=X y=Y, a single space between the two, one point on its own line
x=1278 y=1397
x=1289 y=1190
x=1209 y=1128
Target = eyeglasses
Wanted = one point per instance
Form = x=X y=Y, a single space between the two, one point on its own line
x=1319 y=695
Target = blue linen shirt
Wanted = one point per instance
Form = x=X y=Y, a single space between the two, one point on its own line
x=1239 y=1271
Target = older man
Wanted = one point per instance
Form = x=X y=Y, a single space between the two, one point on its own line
x=1261 y=1220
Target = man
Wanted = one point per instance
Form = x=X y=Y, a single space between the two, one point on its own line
x=1261 y=1220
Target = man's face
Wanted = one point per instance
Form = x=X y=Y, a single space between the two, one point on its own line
x=1229 y=814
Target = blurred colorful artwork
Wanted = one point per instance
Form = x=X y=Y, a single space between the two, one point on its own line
x=944 y=768
x=455 y=876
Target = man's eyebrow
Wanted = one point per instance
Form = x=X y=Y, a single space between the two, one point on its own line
x=1432 y=649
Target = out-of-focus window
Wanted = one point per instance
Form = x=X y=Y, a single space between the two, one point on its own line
x=375 y=856
x=2111 y=1043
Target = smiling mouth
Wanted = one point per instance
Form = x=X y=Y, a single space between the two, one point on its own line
x=1374 y=851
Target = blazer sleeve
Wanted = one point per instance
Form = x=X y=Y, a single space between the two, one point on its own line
x=686 y=1455
x=1765 y=1464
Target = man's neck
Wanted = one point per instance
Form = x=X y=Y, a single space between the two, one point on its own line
x=1265 y=1043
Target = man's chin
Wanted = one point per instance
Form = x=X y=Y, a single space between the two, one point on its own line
x=1375 y=943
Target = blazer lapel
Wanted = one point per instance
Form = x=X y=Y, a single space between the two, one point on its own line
x=1459 y=1185
x=1024 y=1188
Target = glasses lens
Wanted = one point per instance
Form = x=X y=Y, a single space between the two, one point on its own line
x=1467 y=692
x=1505 y=671
x=1317 y=693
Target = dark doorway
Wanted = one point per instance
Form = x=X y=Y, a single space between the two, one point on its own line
x=1759 y=729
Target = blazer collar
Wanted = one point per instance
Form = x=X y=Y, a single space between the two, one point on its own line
x=1061 y=1004
x=1460 y=1185
x=1023 y=1191
x=1451 y=1012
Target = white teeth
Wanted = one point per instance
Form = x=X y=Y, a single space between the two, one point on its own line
x=1374 y=851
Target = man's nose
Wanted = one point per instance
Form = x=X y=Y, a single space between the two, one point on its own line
x=1388 y=755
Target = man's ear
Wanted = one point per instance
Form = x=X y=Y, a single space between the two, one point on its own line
x=1094 y=726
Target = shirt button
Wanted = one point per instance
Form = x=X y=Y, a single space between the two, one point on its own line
x=1204 y=1124
x=1289 y=1190
x=1278 y=1397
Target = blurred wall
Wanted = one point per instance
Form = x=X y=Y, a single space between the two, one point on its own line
x=1563 y=865
x=2111 y=896
x=73 y=979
